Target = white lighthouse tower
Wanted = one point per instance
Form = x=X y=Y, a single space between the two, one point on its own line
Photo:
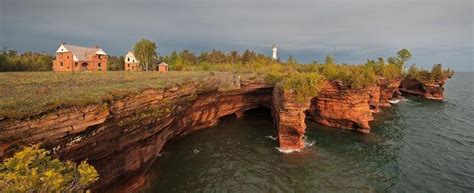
x=274 y=52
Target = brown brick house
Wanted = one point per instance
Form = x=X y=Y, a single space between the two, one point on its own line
x=131 y=63
x=70 y=58
x=163 y=67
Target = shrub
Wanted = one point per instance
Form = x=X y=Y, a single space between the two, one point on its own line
x=33 y=170
x=437 y=73
x=304 y=85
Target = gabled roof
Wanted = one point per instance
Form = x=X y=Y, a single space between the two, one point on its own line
x=80 y=53
x=131 y=56
x=130 y=53
x=163 y=64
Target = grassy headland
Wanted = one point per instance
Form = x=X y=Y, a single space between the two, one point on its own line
x=24 y=94
x=30 y=93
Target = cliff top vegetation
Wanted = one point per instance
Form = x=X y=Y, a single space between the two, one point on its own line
x=31 y=93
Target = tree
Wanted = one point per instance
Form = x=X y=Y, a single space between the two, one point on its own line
x=115 y=63
x=413 y=72
x=329 y=59
x=145 y=52
x=246 y=56
x=291 y=60
x=437 y=72
x=33 y=170
x=404 y=55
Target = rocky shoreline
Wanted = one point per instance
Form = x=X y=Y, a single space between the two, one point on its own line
x=122 y=138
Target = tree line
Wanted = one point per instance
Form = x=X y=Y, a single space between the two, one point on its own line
x=249 y=61
x=10 y=61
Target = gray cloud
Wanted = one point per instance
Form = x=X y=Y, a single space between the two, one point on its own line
x=434 y=30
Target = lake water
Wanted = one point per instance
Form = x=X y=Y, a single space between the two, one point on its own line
x=416 y=146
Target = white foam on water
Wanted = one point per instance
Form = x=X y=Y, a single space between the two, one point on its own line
x=195 y=151
x=287 y=151
x=271 y=137
x=309 y=143
x=394 y=101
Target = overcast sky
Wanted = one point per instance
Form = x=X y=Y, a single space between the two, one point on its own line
x=433 y=30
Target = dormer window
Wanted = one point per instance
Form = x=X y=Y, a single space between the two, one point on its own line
x=98 y=56
x=128 y=59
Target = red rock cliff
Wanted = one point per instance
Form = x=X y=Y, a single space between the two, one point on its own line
x=336 y=106
x=433 y=90
x=124 y=137
x=289 y=117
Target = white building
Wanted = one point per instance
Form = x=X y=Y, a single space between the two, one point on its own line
x=131 y=63
x=274 y=52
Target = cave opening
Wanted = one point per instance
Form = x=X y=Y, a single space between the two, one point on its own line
x=260 y=112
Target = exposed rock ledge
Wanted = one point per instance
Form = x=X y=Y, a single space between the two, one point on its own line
x=433 y=90
x=124 y=137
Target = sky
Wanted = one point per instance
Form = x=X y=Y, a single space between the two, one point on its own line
x=435 y=31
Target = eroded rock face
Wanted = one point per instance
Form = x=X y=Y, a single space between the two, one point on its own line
x=289 y=118
x=431 y=90
x=388 y=90
x=336 y=106
x=122 y=139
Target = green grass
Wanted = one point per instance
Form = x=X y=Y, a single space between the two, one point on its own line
x=25 y=94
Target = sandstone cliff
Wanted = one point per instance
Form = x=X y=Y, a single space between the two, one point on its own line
x=123 y=137
x=433 y=90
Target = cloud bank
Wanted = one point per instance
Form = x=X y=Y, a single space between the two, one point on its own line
x=434 y=30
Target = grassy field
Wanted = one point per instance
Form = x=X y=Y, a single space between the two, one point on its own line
x=29 y=93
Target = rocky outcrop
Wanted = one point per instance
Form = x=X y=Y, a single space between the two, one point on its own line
x=340 y=107
x=289 y=118
x=433 y=90
x=388 y=90
x=123 y=138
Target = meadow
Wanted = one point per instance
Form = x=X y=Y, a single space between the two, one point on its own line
x=29 y=93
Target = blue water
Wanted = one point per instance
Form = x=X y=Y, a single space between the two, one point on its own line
x=416 y=146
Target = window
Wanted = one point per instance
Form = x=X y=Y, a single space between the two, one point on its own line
x=99 y=65
x=67 y=57
x=128 y=59
x=76 y=63
x=98 y=56
x=61 y=63
x=128 y=65
x=60 y=55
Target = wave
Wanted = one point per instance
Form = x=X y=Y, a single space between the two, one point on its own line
x=309 y=143
x=394 y=101
x=288 y=151
x=271 y=137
